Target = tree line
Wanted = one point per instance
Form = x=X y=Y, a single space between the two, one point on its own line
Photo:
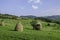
x=8 y=16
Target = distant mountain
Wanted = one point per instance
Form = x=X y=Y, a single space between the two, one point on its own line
x=29 y=16
x=55 y=17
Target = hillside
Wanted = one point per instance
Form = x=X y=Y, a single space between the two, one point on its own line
x=28 y=16
x=8 y=16
x=7 y=32
x=56 y=17
x=47 y=33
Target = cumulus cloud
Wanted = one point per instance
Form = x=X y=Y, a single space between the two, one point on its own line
x=30 y=1
x=34 y=7
x=34 y=1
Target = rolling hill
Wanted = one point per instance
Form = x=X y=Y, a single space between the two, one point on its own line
x=7 y=32
x=55 y=17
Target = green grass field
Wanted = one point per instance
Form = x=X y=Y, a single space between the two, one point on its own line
x=47 y=33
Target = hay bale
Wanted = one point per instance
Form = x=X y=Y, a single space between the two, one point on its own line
x=19 y=27
x=2 y=23
x=36 y=25
x=33 y=23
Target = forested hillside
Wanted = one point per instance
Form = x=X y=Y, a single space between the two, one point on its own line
x=56 y=17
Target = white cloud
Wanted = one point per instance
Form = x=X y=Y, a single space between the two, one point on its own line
x=34 y=1
x=37 y=1
x=34 y=7
x=30 y=1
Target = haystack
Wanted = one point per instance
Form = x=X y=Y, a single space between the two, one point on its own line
x=36 y=25
x=19 y=27
x=2 y=23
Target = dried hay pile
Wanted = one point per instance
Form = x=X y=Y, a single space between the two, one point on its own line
x=19 y=27
x=2 y=23
x=36 y=25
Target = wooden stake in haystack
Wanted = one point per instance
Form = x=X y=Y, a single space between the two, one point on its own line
x=19 y=27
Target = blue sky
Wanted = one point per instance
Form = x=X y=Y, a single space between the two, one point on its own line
x=30 y=7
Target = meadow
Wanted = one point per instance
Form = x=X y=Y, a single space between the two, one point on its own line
x=47 y=33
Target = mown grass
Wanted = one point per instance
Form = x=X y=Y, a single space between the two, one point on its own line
x=47 y=33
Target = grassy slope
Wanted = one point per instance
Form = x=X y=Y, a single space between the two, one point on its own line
x=7 y=33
